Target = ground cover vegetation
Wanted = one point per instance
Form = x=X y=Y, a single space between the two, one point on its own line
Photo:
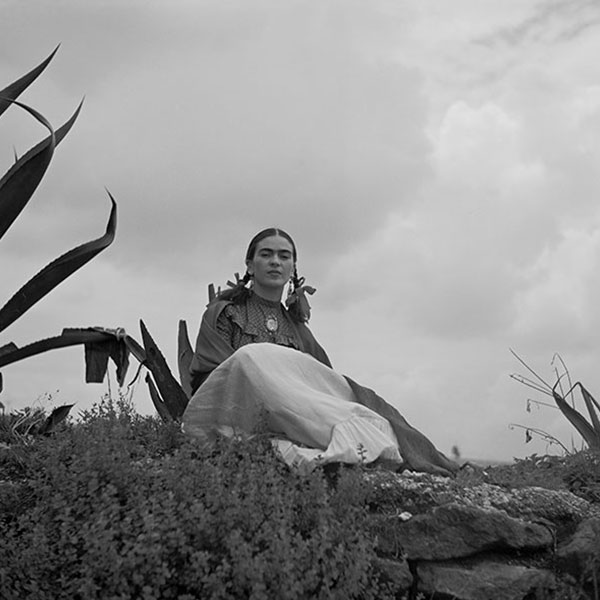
x=119 y=505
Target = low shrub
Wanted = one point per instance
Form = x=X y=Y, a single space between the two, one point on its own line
x=124 y=506
x=582 y=475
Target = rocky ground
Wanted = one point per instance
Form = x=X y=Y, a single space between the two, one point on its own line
x=510 y=532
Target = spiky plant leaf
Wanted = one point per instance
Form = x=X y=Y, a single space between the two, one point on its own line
x=10 y=347
x=14 y=90
x=12 y=353
x=56 y=272
x=55 y=418
x=172 y=393
x=592 y=407
x=591 y=437
x=132 y=345
x=161 y=407
x=184 y=358
x=20 y=182
x=22 y=179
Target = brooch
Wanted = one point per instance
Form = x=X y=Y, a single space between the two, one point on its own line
x=271 y=324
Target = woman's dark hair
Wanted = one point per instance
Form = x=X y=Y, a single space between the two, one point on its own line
x=240 y=292
x=265 y=233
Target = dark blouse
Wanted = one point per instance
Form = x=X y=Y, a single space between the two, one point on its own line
x=257 y=320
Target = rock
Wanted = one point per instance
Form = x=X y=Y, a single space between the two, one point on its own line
x=540 y=503
x=419 y=492
x=580 y=555
x=454 y=530
x=408 y=491
x=396 y=572
x=488 y=581
x=474 y=540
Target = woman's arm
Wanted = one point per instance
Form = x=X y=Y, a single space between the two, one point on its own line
x=212 y=348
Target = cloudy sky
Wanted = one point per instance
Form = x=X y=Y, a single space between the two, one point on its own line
x=436 y=163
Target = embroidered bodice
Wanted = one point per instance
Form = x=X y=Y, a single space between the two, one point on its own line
x=257 y=320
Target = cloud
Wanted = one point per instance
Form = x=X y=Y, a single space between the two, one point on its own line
x=440 y=183
x=239 y=117
x=549 y=22
x=563 y=288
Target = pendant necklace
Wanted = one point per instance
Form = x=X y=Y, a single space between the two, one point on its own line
x=271 y=324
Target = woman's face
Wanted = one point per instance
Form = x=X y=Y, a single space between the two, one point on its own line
x=272 y=264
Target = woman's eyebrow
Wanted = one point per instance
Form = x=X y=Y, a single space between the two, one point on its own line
x=281 y=251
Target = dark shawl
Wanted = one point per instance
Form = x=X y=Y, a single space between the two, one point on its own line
x=417 y=451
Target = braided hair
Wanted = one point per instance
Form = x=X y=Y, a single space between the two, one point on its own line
x=239 y=292
x=298 y=307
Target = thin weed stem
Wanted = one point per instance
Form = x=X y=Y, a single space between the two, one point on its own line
x=545 y=383
x=530 y=383
x=549 y=438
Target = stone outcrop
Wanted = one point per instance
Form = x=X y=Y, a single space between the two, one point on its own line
x=579 y=553
x=455 y=531
x=474 y=542
x=486 y=581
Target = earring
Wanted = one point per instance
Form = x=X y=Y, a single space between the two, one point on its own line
x=290 y=290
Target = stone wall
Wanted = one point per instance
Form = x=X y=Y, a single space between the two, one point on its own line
x=441 y=540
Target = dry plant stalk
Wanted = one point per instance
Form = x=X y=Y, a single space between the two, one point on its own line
x=588 y=430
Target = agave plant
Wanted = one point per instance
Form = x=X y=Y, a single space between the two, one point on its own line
x=17 y=186
x=588 y=430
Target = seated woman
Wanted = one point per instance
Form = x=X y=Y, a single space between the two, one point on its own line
x=257 y=365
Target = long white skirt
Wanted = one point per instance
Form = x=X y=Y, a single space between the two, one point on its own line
x=310 y=408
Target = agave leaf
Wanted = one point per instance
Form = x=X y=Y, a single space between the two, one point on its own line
x=591 y=437
x=56 y=272
x=91 y=336
x=56 y=417
x=592 y=407
x=174 y=397
x=132 y=345
x=11 y=353
x=14 y=90
x=161 y=407
x=184 y=358
x=116 y=345
x=10 y=347
x=20 y=182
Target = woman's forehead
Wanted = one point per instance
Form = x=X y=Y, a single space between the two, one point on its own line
x=274 y=242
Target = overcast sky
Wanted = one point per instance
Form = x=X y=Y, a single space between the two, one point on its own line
x=436 y=163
